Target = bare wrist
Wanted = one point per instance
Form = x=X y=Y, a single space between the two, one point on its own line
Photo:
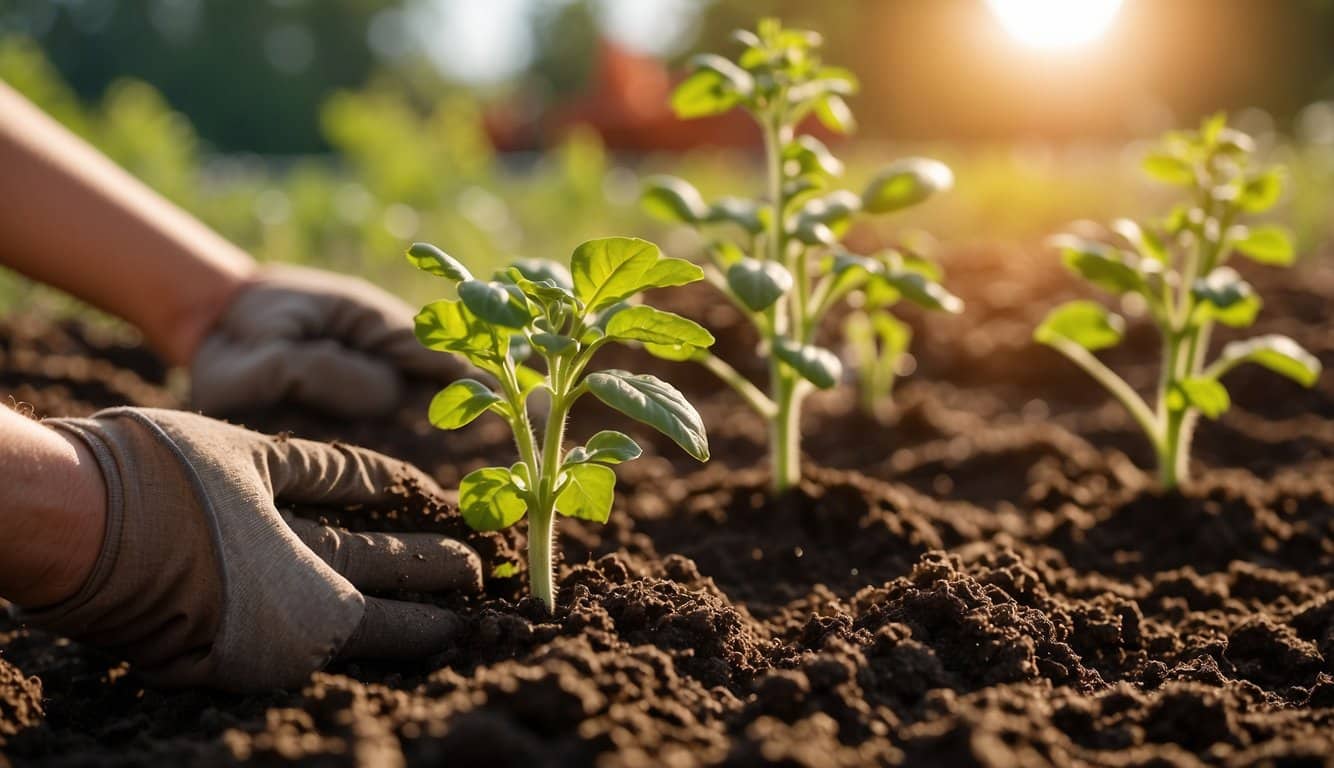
x=54 y=512
x=201 y=309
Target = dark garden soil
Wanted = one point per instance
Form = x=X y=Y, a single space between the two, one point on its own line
x=980 y=575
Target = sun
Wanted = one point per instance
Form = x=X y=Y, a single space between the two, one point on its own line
x=1055 y=24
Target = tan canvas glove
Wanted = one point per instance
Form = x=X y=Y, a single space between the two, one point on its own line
x=315 y=338
x=202 y=581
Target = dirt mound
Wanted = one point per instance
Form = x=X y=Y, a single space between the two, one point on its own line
x=983 y=575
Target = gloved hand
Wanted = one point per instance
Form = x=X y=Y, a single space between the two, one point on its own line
x=202 y=581
x=315 y=338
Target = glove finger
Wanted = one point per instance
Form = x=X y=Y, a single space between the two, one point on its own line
x=228 y=377
x=380 y=562
x=393 y=629
x=337 y=475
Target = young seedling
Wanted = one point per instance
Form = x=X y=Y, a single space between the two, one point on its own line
x=1177 y=269
x=781 y=262
x=562 y=316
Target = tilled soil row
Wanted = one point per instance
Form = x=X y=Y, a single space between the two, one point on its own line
x=979 y=576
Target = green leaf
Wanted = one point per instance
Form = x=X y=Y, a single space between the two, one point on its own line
x=520 y=476
x=814 y=232
x=428 y=258
x=923 y=291
x=1206 y=395
x=758 y=284
x=894 y=334
x=1086 y=323
x=588 y=492
x=1169 y=169
x=520 y=348
x=496 y=302
x=553 y=343
x=1261 y=192
x=459 y=403
x=1279 y=354
x=702 y=94
x=614 y=268
x=608 y=447
x=906 y=183
x=724 y=253
x=677 y=353
x=812 y=156
x=835 y=114
x=545 y=271
x=1111 y=269
x=529 y=379
x=655 y=326
x=505 y=570
x=1145 y=241
x=654 y=402
x=1226 y=297
x=447 y=325
x=672 y=199
x=489 y=501
x=735 y=210
x=817 y=365
x=738 y=80
x=819 y=88
x=834 y=210
x=1268 y=245
x=669 y=273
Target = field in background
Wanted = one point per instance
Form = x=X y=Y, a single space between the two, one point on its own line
x=411 y=168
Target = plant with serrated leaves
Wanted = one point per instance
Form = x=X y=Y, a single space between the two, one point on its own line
x=537 y=308
x=1177 y=268
x=779 y=258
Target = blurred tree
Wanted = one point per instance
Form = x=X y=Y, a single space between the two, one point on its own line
x=250 y=75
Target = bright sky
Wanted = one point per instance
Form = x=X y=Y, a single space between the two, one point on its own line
x=486 y=41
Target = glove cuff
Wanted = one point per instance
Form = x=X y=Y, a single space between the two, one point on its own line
x=60 y=613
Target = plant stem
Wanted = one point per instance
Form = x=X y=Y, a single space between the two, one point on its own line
x=1115 y=385
x=749 y=392
x=785 y=390
x=785 y=433
x=542 y=518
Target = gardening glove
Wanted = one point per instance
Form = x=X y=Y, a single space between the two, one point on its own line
x=316 y=338
x=203 y=581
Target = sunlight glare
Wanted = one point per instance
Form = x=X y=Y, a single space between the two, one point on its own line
x=1055 y=24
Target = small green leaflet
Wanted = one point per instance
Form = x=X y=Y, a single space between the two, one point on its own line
x=673 y=199
x=655 y=326
x=1226 y=297
x=1086 y=323
x=608 y=447
x=495 y=302
x=652 y=401
x=905 y=183
x=448 y=326
x=1206 y=395
x=817 y=365
x=614 y=268
x=702 y=94
x=1267 y=245
x=587 y=493
x=1278 y=353
x=460 y=403
x=489 y=501
x=758 y=284
x=428 y=258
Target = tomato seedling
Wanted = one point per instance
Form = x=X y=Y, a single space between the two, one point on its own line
x=782 y=262
x=1177 y=268
x=562 y=316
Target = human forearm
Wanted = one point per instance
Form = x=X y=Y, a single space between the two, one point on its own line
x=52 y=513
x=73 y=219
